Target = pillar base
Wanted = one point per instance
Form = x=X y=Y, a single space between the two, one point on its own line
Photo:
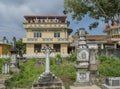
x=48 y=81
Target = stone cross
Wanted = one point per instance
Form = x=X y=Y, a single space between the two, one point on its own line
x=47 y=50
x=14 y=44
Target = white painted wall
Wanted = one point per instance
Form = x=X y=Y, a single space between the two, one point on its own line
x=95 y=46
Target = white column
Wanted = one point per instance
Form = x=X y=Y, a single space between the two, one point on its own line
x=115 y=46
x=47 y=70
x=102 y=46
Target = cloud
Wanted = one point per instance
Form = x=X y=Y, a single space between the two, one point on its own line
x=12 y=12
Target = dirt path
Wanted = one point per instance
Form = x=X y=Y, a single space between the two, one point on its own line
x=85 y=87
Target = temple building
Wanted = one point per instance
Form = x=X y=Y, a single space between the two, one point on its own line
x=46 y=29
x=113 y=36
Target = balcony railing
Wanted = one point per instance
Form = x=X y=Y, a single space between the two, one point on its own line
x=47 y=39
x=44 y=40
x=49 y=25
x=114 y=37
x=62 y=39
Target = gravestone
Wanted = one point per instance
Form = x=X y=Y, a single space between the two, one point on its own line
x=14 y=63
x=93 y=63
x=5 y=69
x=112 y=83
x=82 y=63
x=47 y=80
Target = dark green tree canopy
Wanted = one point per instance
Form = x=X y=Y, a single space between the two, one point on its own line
x=20 y=47
x=105 y=10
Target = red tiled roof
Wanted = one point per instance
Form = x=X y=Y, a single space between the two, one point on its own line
x=108 y=28
x=95 y=37
x=32 y=16
x=91 y=37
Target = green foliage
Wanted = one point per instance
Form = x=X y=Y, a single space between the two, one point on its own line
x=5 y=50
x=58 y=58
x=30 y=71
x=93 y=25
x=66 y=72
x=2 y=61
x=21 y=47
x=72 y=57
x=97 y=9
x=109 y=66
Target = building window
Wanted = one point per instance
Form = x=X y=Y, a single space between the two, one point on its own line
x=37 y=48
x=37 y=34
x=56 y=47
x=56 y=34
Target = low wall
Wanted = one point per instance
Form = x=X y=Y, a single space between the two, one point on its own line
x=109 y=52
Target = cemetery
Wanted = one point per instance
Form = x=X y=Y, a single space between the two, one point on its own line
x=60 y=44
x=81 y=69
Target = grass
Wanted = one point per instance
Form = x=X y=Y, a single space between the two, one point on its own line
x=31 y=70
x=2 y=61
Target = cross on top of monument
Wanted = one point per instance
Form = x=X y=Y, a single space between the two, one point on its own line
x=47 y=49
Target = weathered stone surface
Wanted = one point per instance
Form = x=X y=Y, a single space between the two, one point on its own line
x=82 y=63
x=112 y=83
x=48 y=81
x=104 y=86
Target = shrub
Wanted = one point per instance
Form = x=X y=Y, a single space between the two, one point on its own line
x=2 y=61
x=30 y=71
x=72 y=57
x=109 y=66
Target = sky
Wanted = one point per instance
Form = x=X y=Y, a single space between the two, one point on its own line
x=12 y=12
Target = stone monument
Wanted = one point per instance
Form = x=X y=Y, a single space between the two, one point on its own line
x=112 y=83
x=82 y=65
x=14 y=63
x=47 y=80
x=5 y=69
x=93 y=63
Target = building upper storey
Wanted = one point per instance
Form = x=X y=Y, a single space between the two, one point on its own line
x=113 y=32
x=45 y=21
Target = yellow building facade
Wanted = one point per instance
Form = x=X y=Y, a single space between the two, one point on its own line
x=47 y=29
x=113 y=35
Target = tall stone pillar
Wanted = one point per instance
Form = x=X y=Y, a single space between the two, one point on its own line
x=14 y=63
x=102 y=46
x=82 y=66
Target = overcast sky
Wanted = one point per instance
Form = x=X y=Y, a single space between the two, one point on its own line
x=12 y=12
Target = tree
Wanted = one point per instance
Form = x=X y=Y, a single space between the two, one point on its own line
x=105 y=10
x=20 y=47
